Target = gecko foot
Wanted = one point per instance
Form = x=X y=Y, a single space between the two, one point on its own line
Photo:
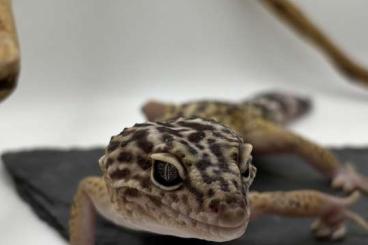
x=349 y=180
x=331 y=224
x=326 y=231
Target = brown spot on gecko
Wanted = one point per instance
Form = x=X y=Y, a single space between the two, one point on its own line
x=155 y=200
x=125 y=157
x=190 y=148
x=224 y=185
x=109 y=161
x=144 y=163
x=139 y=134
x=196 y=137
x=211 y=141
x=174 y=197
x=196 y=126
x=184 y=199
x=168 y=139
x=203 y=164
x=120 y=174
x=112 y=145
x=146 y=182
x=169 y=131
x=211 y=192
x=140 y=125
x=131 y=192
x=145 y=145
x=127 y=131
x=235 y=183
x=197 y=193
x=166 y=124
x=199 y=146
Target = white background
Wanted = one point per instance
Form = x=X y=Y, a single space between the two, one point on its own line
x=89 y=65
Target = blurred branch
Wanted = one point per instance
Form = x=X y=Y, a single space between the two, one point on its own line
x=294 y=16
x=9 y=50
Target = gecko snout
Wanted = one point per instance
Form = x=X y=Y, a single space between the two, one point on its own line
x=232 y=217
x=231 y=212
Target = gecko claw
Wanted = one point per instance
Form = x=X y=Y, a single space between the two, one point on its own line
x=339 y=233
x=349 y=180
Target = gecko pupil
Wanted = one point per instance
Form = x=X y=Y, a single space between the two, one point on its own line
x=166 y=174
x=167 y=171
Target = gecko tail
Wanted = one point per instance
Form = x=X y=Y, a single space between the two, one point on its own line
x=281 y=107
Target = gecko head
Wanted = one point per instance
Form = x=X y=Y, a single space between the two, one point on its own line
x=185 y=177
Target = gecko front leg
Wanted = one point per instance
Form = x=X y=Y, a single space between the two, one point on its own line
x=91 y=196
x=330 y=212
x=267 y=137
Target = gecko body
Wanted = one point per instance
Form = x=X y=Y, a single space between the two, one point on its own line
x=187 y=172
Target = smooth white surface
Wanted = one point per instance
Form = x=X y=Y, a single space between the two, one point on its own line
x=89 y=65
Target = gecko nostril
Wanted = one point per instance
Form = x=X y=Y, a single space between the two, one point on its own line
x=215 y=205
x=231 y=200
x=231 y=211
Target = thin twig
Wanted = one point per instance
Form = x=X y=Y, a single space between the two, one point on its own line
x=294 y=16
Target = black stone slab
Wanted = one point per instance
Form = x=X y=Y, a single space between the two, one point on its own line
x=47 y=180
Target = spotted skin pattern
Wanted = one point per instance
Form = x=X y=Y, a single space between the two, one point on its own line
x=212 y=202
x=260 y=120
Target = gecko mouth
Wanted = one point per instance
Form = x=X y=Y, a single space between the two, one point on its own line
x=158 y=217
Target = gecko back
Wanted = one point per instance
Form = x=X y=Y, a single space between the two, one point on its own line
x=280 y=107
x=277 y=107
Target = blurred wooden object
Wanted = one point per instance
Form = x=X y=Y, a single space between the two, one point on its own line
x=9 y=50
x=294 y=16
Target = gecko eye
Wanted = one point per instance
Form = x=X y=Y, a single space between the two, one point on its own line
x=167 y=173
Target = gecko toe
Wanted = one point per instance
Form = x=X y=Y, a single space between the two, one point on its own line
x=324 y=231
x=338 y=182
x=348 y=179
x=339 y=233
